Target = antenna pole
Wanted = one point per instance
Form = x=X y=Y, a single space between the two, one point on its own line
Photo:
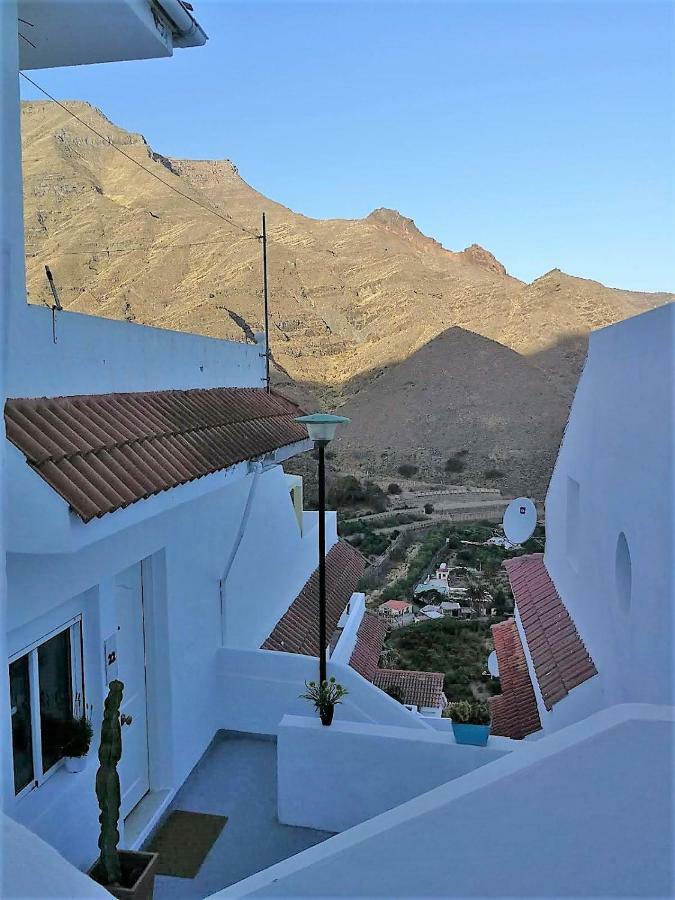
x=266 y=300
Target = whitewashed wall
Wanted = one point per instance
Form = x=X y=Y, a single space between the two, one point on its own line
x=618 y=449
x=93 y=355
x=583 y=812
x=333 y=778
x=188 y=547
x=260 y=687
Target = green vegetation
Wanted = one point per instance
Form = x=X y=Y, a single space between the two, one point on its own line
x=467 y=712
x=370 y=543
x=492 y=474
x=394 y=488
x=348 y=491
x=454 y=464
x=433 y=542
x=455 y=647
x=407 y=470
x=428 y=508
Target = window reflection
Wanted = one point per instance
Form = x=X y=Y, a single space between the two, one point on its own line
x=56 y=701
x=22 y=739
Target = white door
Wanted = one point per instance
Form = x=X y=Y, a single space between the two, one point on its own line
x=133 y=767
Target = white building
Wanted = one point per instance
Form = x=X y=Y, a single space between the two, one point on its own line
x=143 y=490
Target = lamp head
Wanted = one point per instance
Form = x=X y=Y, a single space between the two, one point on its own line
x=321 y=426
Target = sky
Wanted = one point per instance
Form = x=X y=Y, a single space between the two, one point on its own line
x=542 y=131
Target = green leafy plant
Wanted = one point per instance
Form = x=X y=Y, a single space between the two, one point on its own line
x=77 y=732
x=394 y=488
x=454 y=464
x=324 y=696
x=470 y=712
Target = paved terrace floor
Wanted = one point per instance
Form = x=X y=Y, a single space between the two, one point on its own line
x=237 y=778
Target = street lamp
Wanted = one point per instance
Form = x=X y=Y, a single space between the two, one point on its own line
x=321 y=429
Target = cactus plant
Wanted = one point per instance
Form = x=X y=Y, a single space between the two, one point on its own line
x=108 y=785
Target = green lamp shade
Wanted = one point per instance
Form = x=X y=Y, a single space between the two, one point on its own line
x=321 y=426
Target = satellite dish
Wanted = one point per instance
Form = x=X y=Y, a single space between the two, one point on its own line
x=520 y=520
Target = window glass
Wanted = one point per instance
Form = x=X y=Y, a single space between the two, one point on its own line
x=22 y=741
x=56 y=701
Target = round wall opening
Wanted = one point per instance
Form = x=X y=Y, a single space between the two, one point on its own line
x=624 y=573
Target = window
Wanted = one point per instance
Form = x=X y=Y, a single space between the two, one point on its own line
x=45 y=682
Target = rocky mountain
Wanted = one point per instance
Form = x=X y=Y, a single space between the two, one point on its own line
x=359 y=308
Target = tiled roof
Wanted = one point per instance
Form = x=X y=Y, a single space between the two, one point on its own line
x=398 y=605
x=514 y=711
x=561 y=661
x=417 y=688
x=297 y=631
x=103 y=452
x=369 y=639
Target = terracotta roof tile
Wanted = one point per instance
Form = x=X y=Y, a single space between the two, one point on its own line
x=103 y=452
x=514 y=711
x=560 y=659
x=297 y=631
x=369 y=639
x=417 y=688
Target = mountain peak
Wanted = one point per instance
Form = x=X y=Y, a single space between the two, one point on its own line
x=482 y=257
x=392 y=220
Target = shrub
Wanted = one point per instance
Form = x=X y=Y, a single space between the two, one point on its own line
x=428 y=508
x=407 y=470
x=394 y=488
x=492 y=474
x=454 y=464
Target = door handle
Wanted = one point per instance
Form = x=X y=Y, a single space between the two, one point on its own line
x=126 y=720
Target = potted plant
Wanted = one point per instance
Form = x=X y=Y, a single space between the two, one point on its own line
x=324 y=697
x=126 y=874
x=76 y=737
x=471 y=722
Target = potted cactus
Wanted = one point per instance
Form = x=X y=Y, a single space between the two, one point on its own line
x=325 y=697
x=76 y=735
x=126 y=874
x=471 y=722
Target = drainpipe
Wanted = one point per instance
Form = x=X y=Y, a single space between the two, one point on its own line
x=256 y=468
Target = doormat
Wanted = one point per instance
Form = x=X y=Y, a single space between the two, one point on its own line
x=183 y=842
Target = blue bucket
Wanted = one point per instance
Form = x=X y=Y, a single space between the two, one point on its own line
x=471 y=734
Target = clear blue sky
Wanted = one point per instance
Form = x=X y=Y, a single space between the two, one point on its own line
x=543 y=131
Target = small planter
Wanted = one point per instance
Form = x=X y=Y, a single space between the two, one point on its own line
x=471 y=734
x=326 y=715
x=75 y=764
x=138 y=875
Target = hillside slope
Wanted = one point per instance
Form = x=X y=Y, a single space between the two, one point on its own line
x=349 y=298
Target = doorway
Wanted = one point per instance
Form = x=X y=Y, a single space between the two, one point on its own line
x=134 y=768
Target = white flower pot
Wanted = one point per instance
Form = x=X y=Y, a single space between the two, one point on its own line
x=76 y=763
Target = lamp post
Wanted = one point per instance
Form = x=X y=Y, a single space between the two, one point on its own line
x=321 y=429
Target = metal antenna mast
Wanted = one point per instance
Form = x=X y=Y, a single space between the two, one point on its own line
x=266 y=300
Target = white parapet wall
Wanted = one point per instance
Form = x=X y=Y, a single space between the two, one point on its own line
x=260 y=687
x=583 y=812
x=365 y=769
x=350 y=622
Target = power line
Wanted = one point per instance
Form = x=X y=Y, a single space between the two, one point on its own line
x=99 y=250
x=213 y=212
